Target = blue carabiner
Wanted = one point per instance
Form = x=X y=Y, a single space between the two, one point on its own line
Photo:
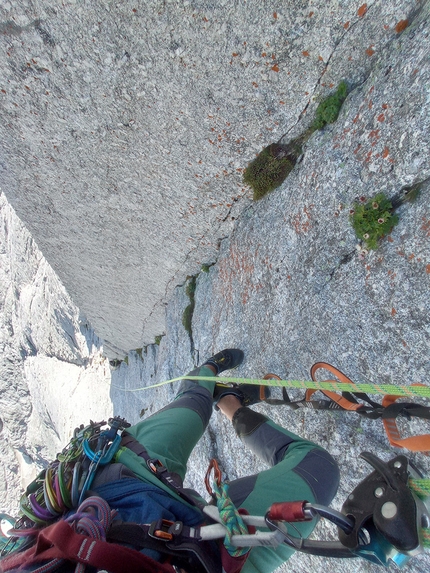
x=107 y=457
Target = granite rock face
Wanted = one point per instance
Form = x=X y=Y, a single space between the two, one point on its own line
x=290 y=287
x=287 y=285
x=125 y=130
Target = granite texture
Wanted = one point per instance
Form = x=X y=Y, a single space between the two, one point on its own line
x=288 y=284
x=126 y=127
x=51 y=362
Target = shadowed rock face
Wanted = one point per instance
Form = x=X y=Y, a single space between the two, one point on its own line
x=125 y=130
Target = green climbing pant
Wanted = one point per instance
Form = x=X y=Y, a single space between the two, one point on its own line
x=298 y=469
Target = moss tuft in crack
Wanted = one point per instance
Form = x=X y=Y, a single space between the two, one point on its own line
x=187 y=315
x=276 y=161
x=329 y=108
x=271 y=167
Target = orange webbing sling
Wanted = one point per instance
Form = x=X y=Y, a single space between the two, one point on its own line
x=389 y=410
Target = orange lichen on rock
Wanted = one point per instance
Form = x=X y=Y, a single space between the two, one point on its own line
x=426 y=227
x=401 y=26
x=302 y=222
x=362 y=10
x=305 y=53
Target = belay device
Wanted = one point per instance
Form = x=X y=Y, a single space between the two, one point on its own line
x=384 y=519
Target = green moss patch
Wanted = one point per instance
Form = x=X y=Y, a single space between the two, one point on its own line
x=372 y=219
x=187 y=315
x=271 y=167
x=276 y=161
x=329 y=108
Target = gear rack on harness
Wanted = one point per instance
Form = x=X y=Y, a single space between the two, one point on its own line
x=385 y=519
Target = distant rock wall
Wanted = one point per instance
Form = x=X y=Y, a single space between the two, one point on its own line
x=53 y=376
x=125 y=130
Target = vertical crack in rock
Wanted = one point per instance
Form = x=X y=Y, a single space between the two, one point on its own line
x=411 y=17
x=318 y=82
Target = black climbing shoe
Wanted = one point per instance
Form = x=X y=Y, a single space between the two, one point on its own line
x=248 y=394
x=225 y=360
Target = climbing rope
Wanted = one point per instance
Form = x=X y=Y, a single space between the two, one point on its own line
x=231 y=519
x=421 y=488
x=331 y=385
x=93 y=518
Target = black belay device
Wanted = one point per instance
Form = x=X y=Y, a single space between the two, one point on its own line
x=382 y=520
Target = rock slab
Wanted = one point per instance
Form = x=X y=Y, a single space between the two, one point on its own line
x=126 y=128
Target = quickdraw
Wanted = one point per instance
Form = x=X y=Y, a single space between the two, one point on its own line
x=385 y=519
x=343 y=394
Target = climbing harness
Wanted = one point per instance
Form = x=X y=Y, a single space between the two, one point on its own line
x=385 y=519
x=171 y=479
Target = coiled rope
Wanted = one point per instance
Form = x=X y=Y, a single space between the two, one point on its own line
x=92 y=518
